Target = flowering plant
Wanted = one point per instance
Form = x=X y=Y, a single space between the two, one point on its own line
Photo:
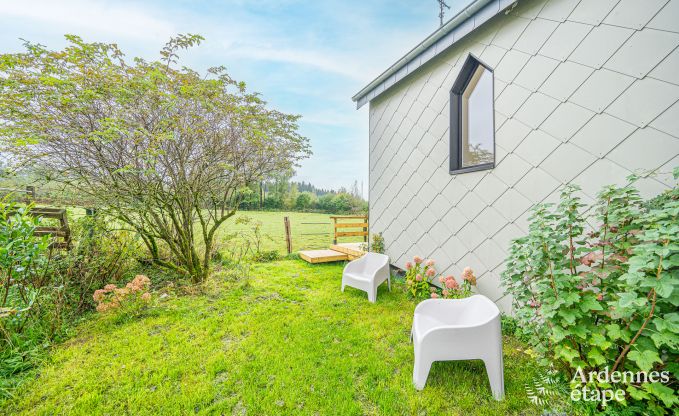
x=453 y=290
x=132 y=298
x=418 y=275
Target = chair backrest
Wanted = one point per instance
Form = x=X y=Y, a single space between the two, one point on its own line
x=480 y=308
x=373 y=261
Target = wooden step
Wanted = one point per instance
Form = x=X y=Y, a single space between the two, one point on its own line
x=351 y=249
x=322 y=256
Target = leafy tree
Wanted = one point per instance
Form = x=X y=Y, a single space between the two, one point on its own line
x=304 y=200
x=164 y=149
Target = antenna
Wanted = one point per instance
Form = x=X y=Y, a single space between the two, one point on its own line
x=442 y=4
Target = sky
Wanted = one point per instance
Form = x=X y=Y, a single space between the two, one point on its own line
x=304 y=57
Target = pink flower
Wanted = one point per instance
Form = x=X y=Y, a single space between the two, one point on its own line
x=434 y=295
x=445 y=293
x=430 y=262
x=110 y=287
x=418 y=277
x=409 y=265
x=442 y=279
x=430 y=272
x=146 y=297
x=600 y=297
x=534 y=303
x=98 y=295
x=468 y=275
x=451 y=283
x=417 y=259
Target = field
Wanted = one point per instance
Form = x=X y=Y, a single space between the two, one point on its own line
x=286 y=341
x=309 y=230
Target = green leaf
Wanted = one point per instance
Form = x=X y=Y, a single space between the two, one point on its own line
x=594 y=356
x=600 y=341
x=589 y=303
x=665 y=287
x=644 y=359
x=614 y=331
x=637 y=394
x=666 y=394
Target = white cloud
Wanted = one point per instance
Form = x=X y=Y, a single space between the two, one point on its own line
x=115 y=19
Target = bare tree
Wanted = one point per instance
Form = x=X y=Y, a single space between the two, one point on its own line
x=165 y=150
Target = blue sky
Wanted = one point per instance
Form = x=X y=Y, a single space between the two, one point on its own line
x=304 y=57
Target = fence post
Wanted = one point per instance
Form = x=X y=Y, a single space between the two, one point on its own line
x=30 y=191
x=334 y=238
x=288 y=239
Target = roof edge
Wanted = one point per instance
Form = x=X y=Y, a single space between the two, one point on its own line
x=455 y=22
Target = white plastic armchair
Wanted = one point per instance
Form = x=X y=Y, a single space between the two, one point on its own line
x=458 y=329
x=367 y=273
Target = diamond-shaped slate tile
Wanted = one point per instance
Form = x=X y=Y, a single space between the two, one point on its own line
x=645 y=147
x=535 y=35
x=643 y=51
x=592 y=12
x=599 y=45
x=510 y=32
x=633 y=13
x=510 y=65
x=668 y=121
x=511 y=169
x=666 y=19
x=536 y=147
x=511 y=99
x=511 y=205
x=536 y=72
x=567 y=119
x=601 y=89
x=644 y=101
x=564 y=40
x=536 y=109
x=567 y=161
x=601 y=134
x=565 y=79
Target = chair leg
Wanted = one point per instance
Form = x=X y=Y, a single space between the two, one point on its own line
x=495 y=372
x=421 y=372
x=343 y=286
x=389 y=282
x=372 y=295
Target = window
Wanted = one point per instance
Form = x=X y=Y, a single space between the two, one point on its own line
x=472 y=121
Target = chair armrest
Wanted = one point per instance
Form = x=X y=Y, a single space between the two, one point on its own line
x=353 y=265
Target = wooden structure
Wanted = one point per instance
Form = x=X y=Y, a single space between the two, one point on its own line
x=343 y=226
x=337 y=252
x=62 y=231
x=288 y=238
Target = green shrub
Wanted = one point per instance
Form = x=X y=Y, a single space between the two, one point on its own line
x=604 y=296
x=45 y=290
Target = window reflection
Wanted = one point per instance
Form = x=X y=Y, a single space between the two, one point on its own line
x=477 y=119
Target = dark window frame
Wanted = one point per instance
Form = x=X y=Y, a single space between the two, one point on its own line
x=470 y=66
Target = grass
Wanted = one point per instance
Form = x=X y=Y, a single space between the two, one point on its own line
x=284 y=341
x=305 y=229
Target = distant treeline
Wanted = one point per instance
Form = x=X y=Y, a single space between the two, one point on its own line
x=283 y=194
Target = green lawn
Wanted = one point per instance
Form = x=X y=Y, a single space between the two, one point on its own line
x=286 y=341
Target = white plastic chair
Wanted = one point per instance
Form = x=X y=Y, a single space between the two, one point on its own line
x=367 y=273
x=458 y=329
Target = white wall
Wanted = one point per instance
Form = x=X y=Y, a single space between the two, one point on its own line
x=585 y=92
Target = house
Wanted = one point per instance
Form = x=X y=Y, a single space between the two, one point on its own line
x=501 y=106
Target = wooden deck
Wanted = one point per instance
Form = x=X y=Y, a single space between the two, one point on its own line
x=337 y=252
x=353 y=250
x=322 y=256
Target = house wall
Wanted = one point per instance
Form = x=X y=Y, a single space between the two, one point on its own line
x=585 y=92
